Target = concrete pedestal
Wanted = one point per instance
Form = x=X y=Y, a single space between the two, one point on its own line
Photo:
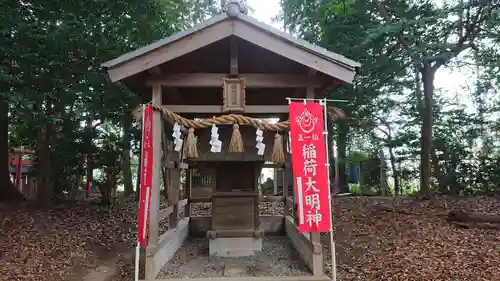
x=235 y=246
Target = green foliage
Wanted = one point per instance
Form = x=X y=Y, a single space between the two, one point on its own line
x=356 y=157
x=363 y=190
x=397 y=42
x=61 y=104
x=50 y=72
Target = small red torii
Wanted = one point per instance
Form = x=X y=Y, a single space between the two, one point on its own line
x=19 y=162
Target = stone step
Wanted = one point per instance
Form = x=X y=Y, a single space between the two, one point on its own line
x=247 y=278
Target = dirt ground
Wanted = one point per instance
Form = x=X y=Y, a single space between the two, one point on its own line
x=414 y=241
x=61 y=243
x=377 y=239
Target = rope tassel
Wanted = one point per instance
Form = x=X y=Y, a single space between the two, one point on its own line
x=236 y=144
x=190 y=149
x=278 y=155
x=172 y=117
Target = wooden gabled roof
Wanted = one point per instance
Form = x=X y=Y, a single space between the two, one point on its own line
x=220 y=27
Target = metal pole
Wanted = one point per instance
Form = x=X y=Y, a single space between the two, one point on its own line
x=320 y=100
x=137 y=253
x=327 y=164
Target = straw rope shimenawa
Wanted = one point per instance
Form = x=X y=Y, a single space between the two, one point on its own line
x=236 y=143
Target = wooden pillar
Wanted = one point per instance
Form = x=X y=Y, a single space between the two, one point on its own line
x=310 y=85
x=165 y=163
x=287 y=172
x=257 y=171
x=155 y=193
x=233 y=49
x=187 y=192
x=275 y=181
x=174 y=187
x=286 y=175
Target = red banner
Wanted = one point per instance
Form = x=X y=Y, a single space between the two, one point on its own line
x=310 y=172
x=146 y=175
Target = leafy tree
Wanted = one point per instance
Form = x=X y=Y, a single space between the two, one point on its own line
x=56 y=93
x=432 y=36
x=398 y=42
x=321 y=22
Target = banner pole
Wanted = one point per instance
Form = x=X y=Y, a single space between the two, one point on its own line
x=327 y=164
x=137 y=253
x=137 y=248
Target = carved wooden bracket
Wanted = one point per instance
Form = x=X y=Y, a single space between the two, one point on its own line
x=233 y=95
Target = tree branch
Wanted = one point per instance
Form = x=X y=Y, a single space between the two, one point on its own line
x=471 y=27
x=387 y=133
x=97 y=124
x=383 y=12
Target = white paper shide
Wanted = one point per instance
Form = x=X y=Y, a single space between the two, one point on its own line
x=176 y=134
x=216 y=144
x=261 y=147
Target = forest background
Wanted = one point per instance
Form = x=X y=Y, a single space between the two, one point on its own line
x=55 y=98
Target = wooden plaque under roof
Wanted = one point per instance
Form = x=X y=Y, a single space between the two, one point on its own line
x=234 y=95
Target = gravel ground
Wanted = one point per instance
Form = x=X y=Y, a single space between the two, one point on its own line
x=277 y=259
x=271 y=208
x=201 y=209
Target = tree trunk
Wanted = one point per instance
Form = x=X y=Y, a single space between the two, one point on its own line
x=87 y=144
x=452 y=174
x=112 y=186
x=76 y=180
x=341 y=155
x=443 y=187
x=426 y=139
x=8 y=192
x=462 y=216
x=45 y=188
x=44 y=172
x=395 y=172
x=127 y=172
x=105 y=194
x=383 y=175
x=108 y=186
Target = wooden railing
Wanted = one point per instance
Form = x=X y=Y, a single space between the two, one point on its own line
x=163 y=214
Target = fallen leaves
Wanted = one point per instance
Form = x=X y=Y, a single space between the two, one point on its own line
x=414 y=241
x=59 y=243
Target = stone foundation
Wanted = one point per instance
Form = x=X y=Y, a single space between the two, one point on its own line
x=235 y=246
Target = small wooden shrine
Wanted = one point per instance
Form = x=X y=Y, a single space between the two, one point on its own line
x=216 y=82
